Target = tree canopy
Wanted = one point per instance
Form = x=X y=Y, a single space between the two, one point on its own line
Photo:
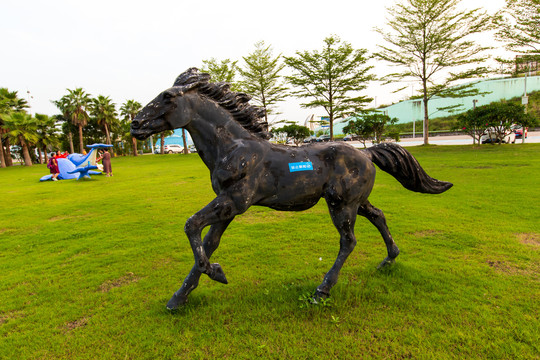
x=430 y=41
x=331 y=78
x=222 y=71
x=296 y=132
x=261 y=78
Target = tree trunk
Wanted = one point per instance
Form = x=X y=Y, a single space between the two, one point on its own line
x=25 y=151
x=70 y=138
x=81 y=145
x=2 y=157
x=107 y=135
x=46 y=157
x=134 y=146
x=39 y=154
x=7 y=154
x=162 y=145
x=426 y=117
x=185 y=144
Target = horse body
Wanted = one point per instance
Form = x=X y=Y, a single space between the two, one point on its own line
x=247 y=170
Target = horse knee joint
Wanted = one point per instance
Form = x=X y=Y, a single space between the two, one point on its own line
x=191 y=226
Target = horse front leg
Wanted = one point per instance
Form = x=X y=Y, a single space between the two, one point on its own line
x=210 y=244
x=221 y=209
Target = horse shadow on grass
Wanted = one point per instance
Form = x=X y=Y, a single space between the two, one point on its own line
x=397 y=286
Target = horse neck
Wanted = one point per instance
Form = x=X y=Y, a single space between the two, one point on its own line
x=215 y=132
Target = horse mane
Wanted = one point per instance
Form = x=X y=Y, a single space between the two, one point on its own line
x=249 y=116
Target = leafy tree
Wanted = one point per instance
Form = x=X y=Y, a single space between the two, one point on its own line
x=75 y=106
x=21 y=128
x=518 y=25
x=129 y=110
x=496 y=118
x=471 y=123
x=331 y=78
x=9 y=103
x=104 y=111
x=360 y=127
x=369 y=126
x=430 y=41
x=65 y=117
x=261 y=78
x=47 y=136
x=222 y=71
x=296 y=132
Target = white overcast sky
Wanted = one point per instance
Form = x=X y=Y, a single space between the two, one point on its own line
x=135 y=49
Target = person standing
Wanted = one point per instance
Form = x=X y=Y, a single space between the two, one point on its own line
x=106 y=161
x=53 y=166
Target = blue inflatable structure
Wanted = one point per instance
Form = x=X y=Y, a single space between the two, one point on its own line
x=78 y=166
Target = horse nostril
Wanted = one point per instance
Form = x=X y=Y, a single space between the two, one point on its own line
x=135 y=124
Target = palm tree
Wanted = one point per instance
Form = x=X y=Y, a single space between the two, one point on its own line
x=104 y=110
x=63 y=106
x=22 y=129
x=9 y=102
x=48 y=137
x=77 y=103
x=162 y=136
x=129 y=110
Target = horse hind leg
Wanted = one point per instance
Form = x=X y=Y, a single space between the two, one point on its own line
x=376 y=217
x=210 y=244
x=344 y=220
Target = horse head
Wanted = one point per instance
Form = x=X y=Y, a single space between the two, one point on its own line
x=174 y=108
x=160 y=115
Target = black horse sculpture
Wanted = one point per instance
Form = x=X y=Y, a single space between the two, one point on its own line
x=247 y=170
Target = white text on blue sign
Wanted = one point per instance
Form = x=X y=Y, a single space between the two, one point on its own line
x=300 y=166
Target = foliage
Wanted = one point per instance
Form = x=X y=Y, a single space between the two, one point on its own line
x=369 y=126
x=22 y=130
x=9 y=103
x=68 y=128
x=331 y=78
x=517 y=25
x=129 y=110
x=80 y=282
x=430 y=40
x=222 y=71
x=495 y=118
x=104 y=112
x=261 y=78
x=77 y=103
x=450 y=123
x=293 y=131
x=48 y=138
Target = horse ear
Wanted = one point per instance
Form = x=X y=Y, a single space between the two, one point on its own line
x=191 y=76
x=177 y=90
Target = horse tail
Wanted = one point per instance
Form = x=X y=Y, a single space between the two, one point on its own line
x=399 y=163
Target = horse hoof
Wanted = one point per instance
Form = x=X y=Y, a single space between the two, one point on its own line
x=217 y=273
x=318 y=297
x=387 y=262
x=175 y=302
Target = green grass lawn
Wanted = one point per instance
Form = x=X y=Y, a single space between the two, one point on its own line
x=86 y=267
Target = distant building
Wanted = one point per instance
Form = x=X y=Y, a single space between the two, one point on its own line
x=413 y=110
x=175 y=138
x=506 y=88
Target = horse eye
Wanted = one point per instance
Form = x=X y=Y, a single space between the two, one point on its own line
x=167 y=96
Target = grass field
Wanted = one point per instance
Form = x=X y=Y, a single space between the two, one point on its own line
x=86 y=267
